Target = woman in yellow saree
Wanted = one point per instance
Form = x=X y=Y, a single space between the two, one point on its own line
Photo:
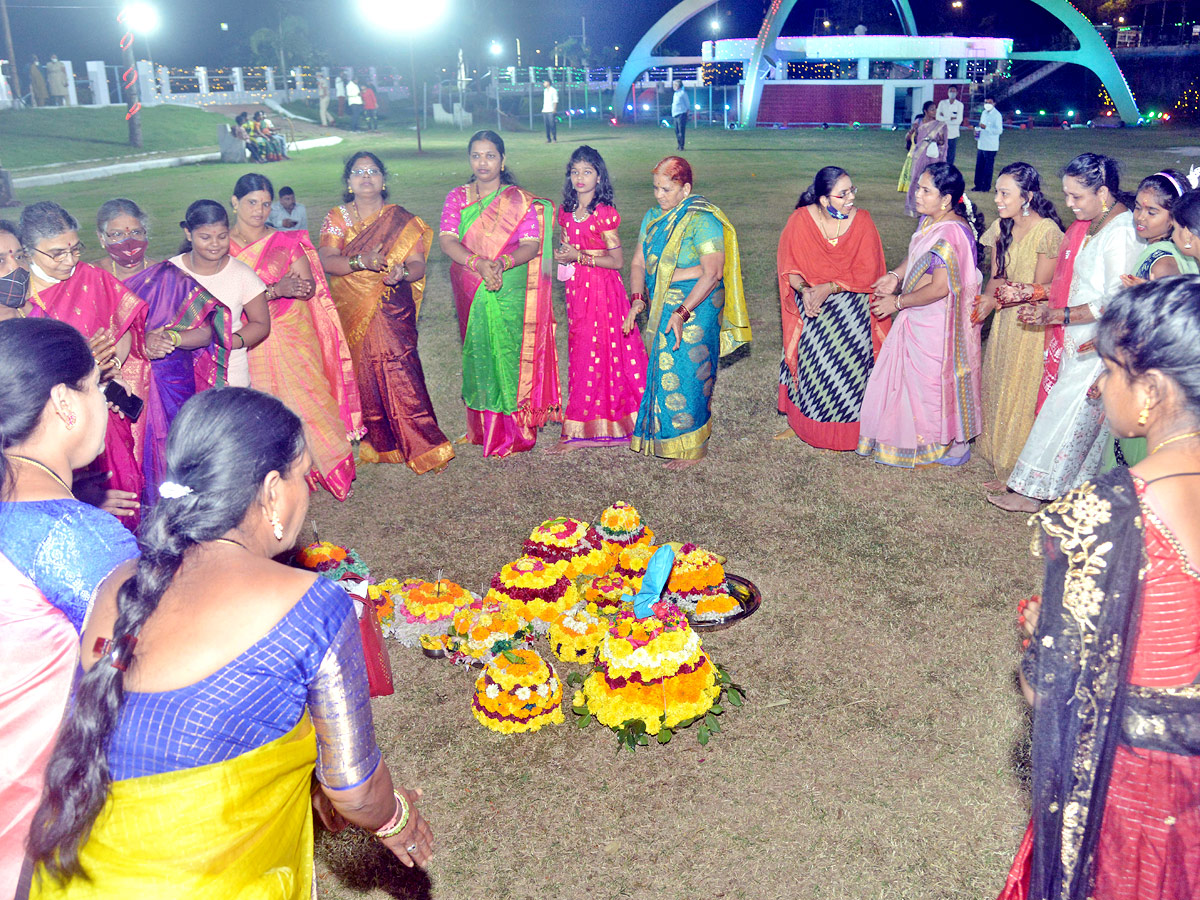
x=375 y=253
x=687 y=262
x=217 y=680
x=306 y=362
x=497 y=236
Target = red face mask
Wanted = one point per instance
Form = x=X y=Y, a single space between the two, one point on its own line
x=128 y=253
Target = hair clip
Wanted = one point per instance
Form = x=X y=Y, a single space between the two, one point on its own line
x=122 y=652
x=172 y=491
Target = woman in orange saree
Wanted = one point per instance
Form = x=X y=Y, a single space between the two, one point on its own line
x=306 y=362
x=497 y=236
x=375 y=255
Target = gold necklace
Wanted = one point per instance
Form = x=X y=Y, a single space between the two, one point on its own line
x=1099 y=225
x=833 y=241
x=929 y=223
x=45 y=468
x=1178 y=437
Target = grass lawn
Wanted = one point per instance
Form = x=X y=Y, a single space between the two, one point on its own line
x=43 y=137
x=882 y=753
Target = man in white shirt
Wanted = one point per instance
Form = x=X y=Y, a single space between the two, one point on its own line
x=550 y=110
x=987 y=140
x=950 y=111
x=679 y=112
x=354 y=101
x=287 y=214
x=323 y=98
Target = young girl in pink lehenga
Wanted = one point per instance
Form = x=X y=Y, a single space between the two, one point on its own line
x=607 y=361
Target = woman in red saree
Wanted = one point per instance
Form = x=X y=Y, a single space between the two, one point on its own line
x=497 y=236
x=306 y=362
x=104 y=311
x=374 y=253
x=829 y=257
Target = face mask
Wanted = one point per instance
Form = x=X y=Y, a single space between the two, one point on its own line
x=46 y=276
x=13 y=288
x=128 y=253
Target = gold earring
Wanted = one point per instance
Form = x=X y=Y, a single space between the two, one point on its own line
x=276 y=526
x=1144 y=415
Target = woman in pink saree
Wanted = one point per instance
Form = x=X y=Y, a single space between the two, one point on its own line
x=56 y=554
x=106 y=312
x=497 y=236
x=306 y=362
x=922 y=403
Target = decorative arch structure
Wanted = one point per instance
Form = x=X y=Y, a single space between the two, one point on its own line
x=773 y=21
x=1092 y=54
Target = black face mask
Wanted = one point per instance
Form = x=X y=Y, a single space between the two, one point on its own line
x=13 y=288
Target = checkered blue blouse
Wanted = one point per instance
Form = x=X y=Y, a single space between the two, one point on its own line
x=311 y=658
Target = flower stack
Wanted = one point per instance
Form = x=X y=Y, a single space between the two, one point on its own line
x=620 y=526
x=534 y=589
x=651 y=670
x=609 y=592
x=484 y=629
x=423 y=607
x=631 y=565
x=332 y=561
x=518 y=691
x=697 y=584
x=573 y=543
x=574 y=636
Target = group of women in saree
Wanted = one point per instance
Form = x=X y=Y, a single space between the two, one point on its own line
x=217 y=682
x=655 y=397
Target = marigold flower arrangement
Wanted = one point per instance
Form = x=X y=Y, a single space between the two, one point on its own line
x=332 y=561
x=695 y=569
x=486 y=628
x=534 y=589
x=714 y=605
x=652 y=671
x=620 y=526
x=609 y=592
x=571 y=542
x=574 y=636
x=422 y=607
x=631 y=565
x=518 y=691
x=384 y=604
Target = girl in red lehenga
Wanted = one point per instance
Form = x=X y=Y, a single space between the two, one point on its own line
x=1113 y=663
x=607 y=360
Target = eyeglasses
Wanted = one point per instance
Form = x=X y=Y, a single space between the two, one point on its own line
x=851 y=191
x=365 y=173
x=117 y=237
x=62 y=252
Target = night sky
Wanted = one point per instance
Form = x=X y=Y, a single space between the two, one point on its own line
x=190 y=33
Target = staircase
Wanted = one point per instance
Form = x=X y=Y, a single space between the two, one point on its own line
x=1032 y=78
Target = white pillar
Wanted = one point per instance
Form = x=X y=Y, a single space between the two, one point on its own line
x=270 y=74
x=939 y=67
x=202 y=79
x=98 y=76
x=864 y=69
x=239 y=80
x=887 y=111
x=145 y=83
x=163 y=84
x=72 y=96
x=6 y=98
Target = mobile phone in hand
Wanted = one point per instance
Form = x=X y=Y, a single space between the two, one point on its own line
x=129 y=404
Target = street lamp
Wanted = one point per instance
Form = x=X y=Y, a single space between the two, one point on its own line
x=143 y=20
x=406 y=17
x=715 y=24
x=495 y=48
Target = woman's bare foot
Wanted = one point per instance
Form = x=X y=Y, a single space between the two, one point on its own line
x=465 y=439
x=367 y=454
x=1014 y=502
x=786 y=435
x=560 y=448
x=995 y=486
x=676 y=465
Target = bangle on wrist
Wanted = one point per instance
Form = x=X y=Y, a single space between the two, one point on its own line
x=899 y=305
x=683 y=312
x=1066 y=315
x=174 y=337
x=356 y=263
x=398 y=820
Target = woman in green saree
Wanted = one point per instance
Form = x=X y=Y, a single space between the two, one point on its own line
x=687 y=264
x=497 y=236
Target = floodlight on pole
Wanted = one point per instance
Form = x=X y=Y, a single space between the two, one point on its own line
x=141 y=17
x=406 y=18
x=495 y=48
x=715 y=24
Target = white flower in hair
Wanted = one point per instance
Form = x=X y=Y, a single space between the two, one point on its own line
x=172 y=491
x=1194 y=177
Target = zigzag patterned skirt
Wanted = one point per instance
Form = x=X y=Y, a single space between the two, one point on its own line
x=835 y=358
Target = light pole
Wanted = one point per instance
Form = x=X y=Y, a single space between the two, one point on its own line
x=143 y=20
x=406 y=18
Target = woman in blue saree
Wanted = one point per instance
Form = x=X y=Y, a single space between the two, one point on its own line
x=687 y=264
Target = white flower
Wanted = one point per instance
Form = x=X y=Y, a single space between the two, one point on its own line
x=1047 y=641
x=553 y=682
x=493 y=691
x=171 y=491
x=523 y=693
x=543 y=689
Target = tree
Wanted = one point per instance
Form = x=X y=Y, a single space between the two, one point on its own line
x=298 y=49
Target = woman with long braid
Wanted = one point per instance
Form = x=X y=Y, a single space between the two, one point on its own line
x=215 y=681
